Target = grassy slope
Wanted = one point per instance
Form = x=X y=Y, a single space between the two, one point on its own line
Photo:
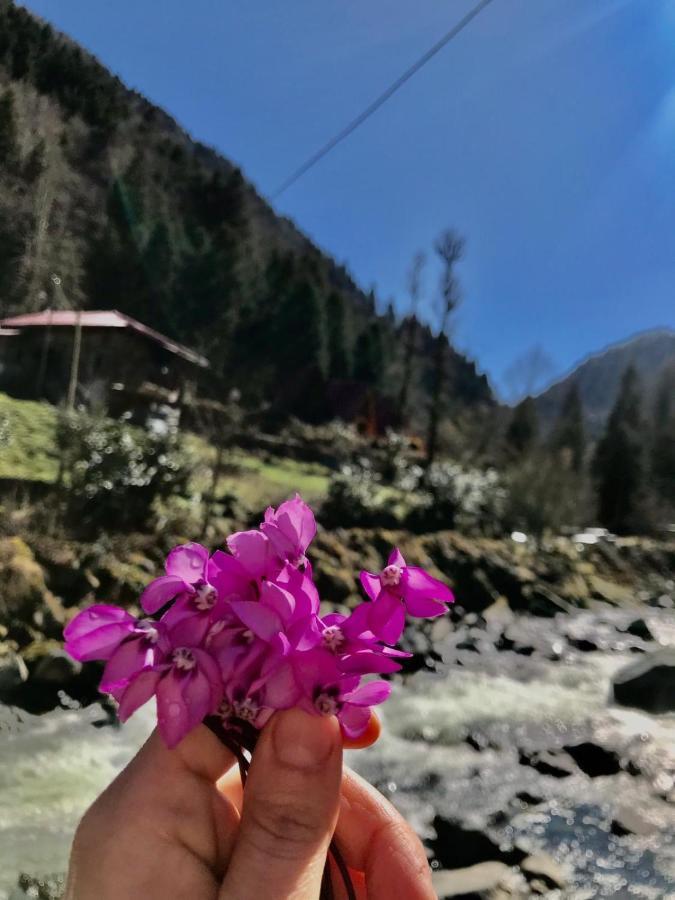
x=27 y=440
x=27 y=451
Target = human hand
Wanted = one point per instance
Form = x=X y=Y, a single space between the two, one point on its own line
x=174 y=825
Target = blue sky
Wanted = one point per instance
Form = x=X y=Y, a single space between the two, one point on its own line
x=545 y=133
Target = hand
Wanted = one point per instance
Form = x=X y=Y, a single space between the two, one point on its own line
x=174 y=826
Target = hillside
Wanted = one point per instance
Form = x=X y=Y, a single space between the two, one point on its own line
x=598 y=377
x=105 y=190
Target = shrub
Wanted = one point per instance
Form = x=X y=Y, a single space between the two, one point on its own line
x=114 y=472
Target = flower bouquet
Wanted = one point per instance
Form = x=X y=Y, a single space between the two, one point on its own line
x=230 y=637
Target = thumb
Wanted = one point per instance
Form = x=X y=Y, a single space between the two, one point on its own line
x=291 y=804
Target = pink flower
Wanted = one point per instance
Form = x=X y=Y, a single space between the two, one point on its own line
x=327 y=691
x=96 y=632
x=290 y=529
x=350 y=639
x=188 y=571
x=185 y=680
x=398 y=589
x=253 y=550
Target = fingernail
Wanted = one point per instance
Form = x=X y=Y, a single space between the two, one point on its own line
x=302 y=741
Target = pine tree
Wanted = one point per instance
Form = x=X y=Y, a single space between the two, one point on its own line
x=369 y=355
x=662 y=451
x=568 y=437
x=521 y=435
x=410 y=327
x=618 y=465
x=339 y=356
x=9 y=145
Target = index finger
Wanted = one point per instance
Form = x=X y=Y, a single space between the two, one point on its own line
x=375 y=839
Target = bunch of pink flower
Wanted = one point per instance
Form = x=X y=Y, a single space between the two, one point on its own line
x=240 y=634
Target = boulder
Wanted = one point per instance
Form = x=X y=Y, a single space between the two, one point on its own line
x=456 y=847
x=649 y=683
x=13 y=670
x=56 y=667
x=639 y=629
x=593 y=759
x=557 y=764
x=629 y=820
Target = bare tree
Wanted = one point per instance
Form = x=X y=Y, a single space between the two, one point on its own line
x=412 y=325
x=449 y=248
x=528 y=374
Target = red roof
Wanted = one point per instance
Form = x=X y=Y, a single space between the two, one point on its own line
x=109 y=318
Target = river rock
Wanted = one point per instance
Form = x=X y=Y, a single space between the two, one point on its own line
x=593 y=759
x=649 y=683
x=548 y=762
x=56 y=667
x=472 y=881
x=13 y=670
x=629 y=820
x=542 y=867
x=456 y=847
x=639 y=628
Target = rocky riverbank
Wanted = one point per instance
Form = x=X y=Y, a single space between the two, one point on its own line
x=531 y=740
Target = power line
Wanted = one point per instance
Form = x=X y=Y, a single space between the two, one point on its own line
x=382 y=99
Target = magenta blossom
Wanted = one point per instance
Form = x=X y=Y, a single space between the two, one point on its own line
x=351 y=640
x=96 y=632
x=189 y=572
x=290 y=529
x=241 y=635
x=185 y=680
x=398 y=589
x=329 y=692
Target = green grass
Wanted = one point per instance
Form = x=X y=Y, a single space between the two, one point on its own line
x=27 y=440
x=257 y=482
x=28 y=451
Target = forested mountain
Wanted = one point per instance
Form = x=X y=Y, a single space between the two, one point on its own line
x=105 y=190
x=598 y=378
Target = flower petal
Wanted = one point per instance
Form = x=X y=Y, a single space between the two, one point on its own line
x=172 y=713
x=354 y=720
x=281 y=689
x=94 y=617
x=370 y=694
x=262 y=621
x=95 y=633
x=387 y=618
x=371 y=584
x=252 y=550
x=188 y=562
x=396 y=559
x=418 y=584
x=160 y=591
x=130 y=658
x=139 y=690
x=365 y=662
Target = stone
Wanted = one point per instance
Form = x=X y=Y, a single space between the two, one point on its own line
x=639 y=629
x=13 y=670
x=470 y=881
x=56 y=667
x=544 y=868
x=649 y=683
x=547 y=762
x=456 y=847
x=629 y=820
x=610 y=591
x=594 y=760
